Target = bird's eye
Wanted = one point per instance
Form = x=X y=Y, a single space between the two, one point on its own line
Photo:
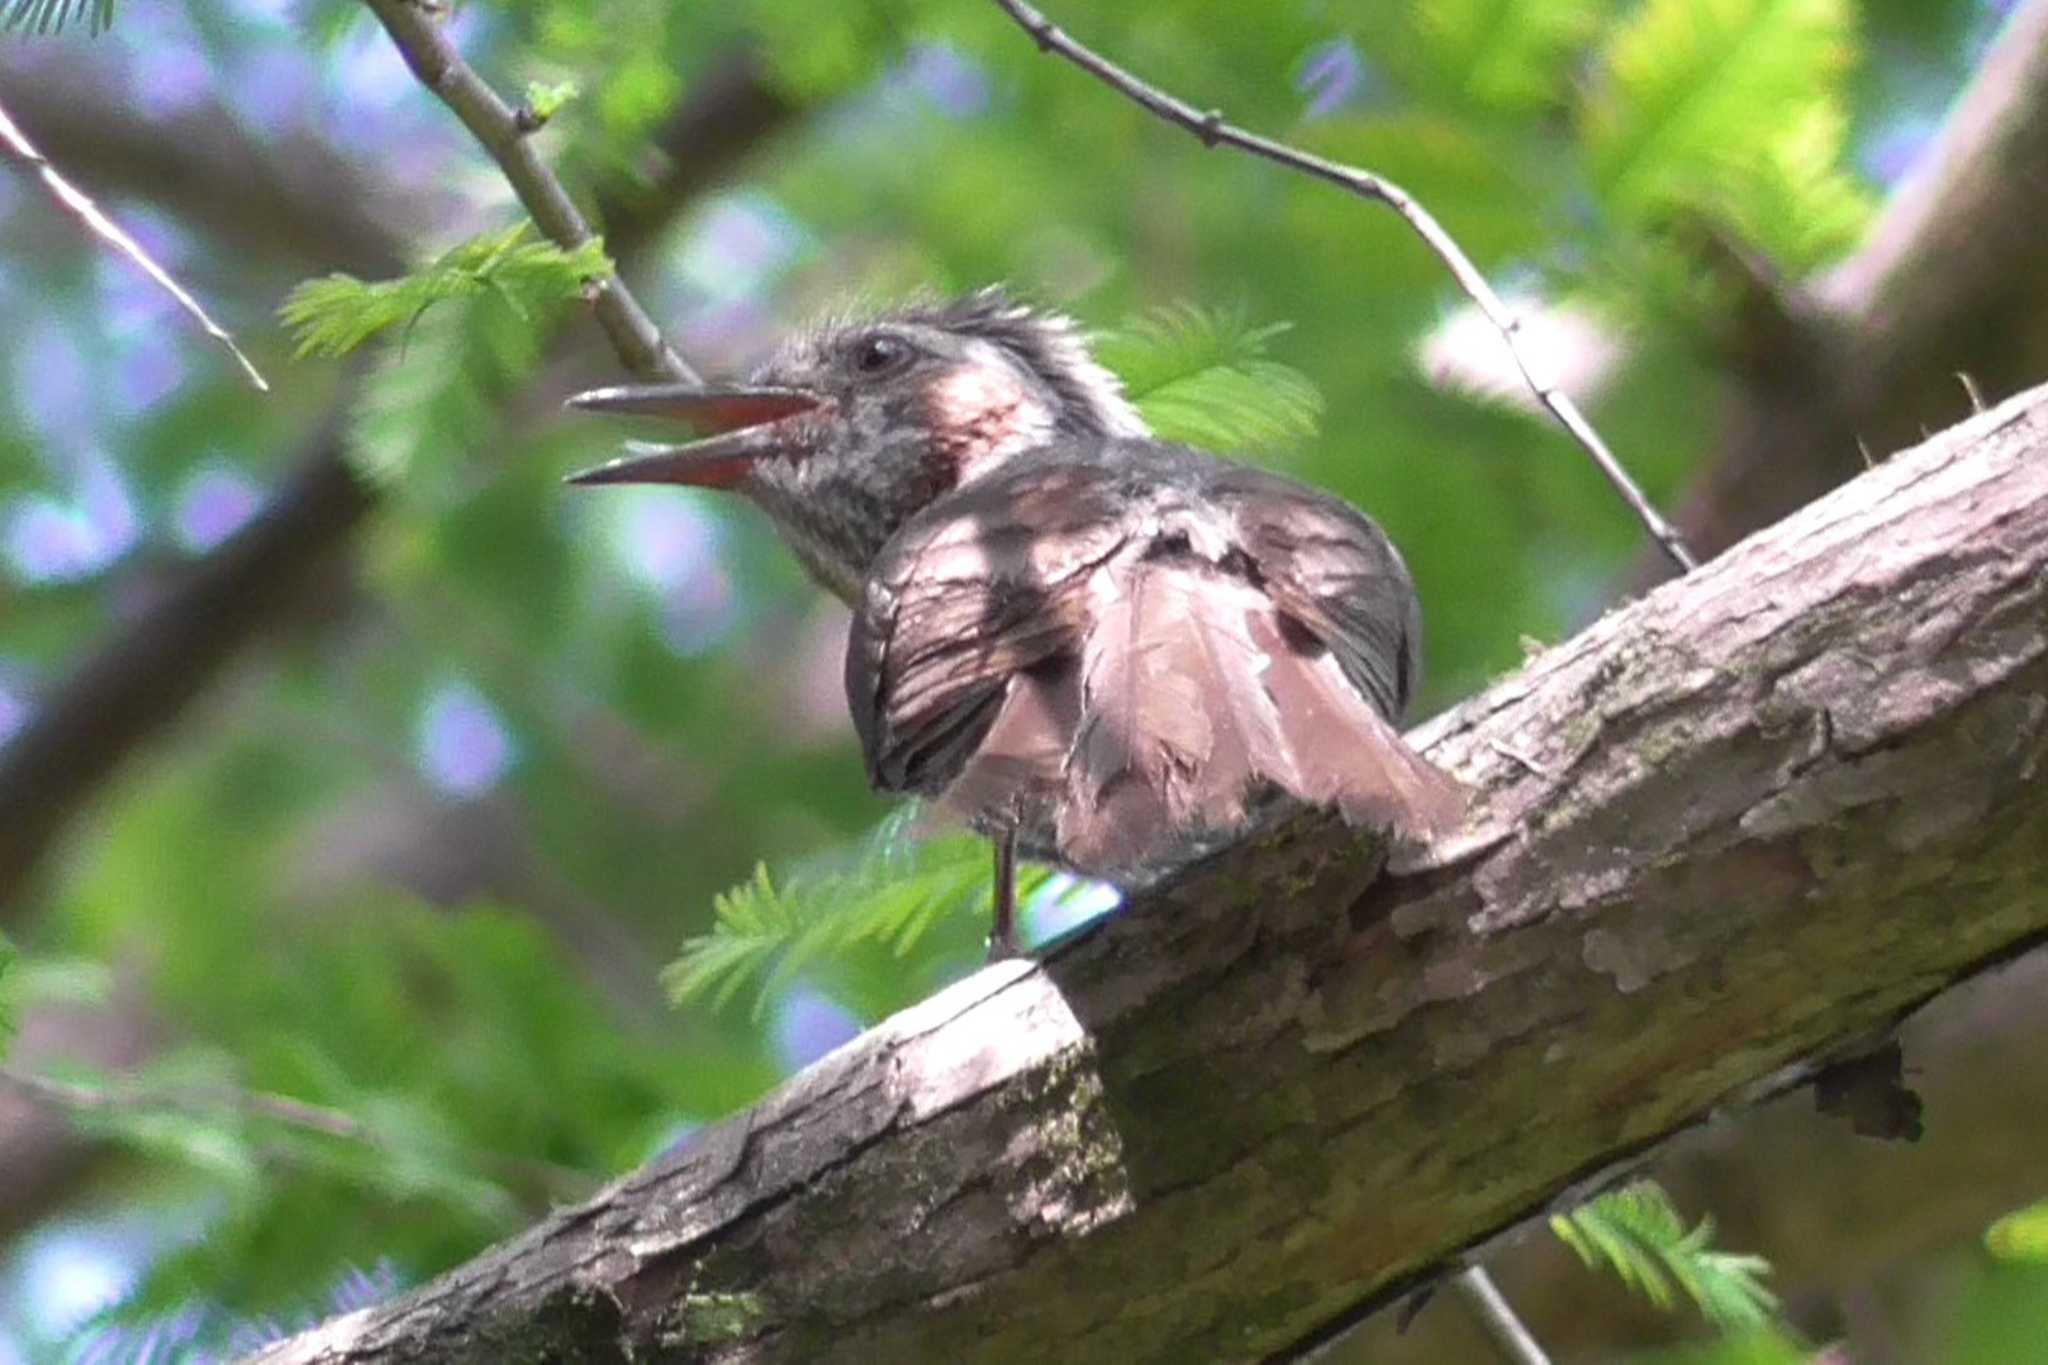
x=880 y=354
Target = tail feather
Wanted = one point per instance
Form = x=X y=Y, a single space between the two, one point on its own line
x=1192 y=697
x=1350 y=756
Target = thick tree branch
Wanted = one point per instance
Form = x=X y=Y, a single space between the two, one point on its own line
x=1727 y=833
x=1212 y=131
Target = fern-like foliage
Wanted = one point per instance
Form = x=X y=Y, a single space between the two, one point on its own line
x=1736 y=108
x=1638 y=1233
x=434 y=400
x=893 y=894
x=335 y=314
x=434 y=396
x=50 y=16
x=1203 y=376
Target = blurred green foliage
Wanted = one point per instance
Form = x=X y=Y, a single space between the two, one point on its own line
x=418 y=862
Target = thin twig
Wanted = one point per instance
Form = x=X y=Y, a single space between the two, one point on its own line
x=1213 y=131
x=74 y=201
x=1509 y=1335
x=79 y=1098
x=433 y=59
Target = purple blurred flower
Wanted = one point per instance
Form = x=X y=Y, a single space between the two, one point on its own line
x=153 y=368
x=670 y=543
x=46 y=542
x=808 y=1025
x=944 y=79
x=1332 y=75
x=735 y=326
x=463 y=748
x=130 y=303
x=738 y=245
x=212 y=506
x=273 y=88
x=696 y=616
x=109 y=511
x=52 y=541
x=14 y=712
x=666 y=540
x=167 y=78
x=53 y=385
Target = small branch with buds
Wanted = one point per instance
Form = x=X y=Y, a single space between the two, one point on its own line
x=1213 y=131
x=74 y=201
x=416 y=30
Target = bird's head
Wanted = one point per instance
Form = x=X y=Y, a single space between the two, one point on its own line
x=856 y=424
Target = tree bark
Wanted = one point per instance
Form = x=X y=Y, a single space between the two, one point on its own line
x=1731 y=832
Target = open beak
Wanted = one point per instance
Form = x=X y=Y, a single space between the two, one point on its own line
x=746 y=424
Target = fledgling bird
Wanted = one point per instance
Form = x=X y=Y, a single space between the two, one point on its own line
x=1103 y=650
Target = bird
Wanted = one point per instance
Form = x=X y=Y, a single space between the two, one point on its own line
x=1100 y=649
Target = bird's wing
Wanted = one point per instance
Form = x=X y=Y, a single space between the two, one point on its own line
x=1343 y=646
x=979 y=589
x=1335 y=574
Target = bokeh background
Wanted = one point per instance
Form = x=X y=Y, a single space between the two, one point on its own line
x=347 y=757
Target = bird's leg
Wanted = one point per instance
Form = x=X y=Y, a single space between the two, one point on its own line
x=1002 y=939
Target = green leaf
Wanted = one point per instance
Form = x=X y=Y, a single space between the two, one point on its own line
x=1737 y=107
x=335 y=314
x=1202 y=376
x=1638 y=1234
x=1505 y=54
x=50 y=16
x=2021 y=1235
x=893 y=896
x=545 y=101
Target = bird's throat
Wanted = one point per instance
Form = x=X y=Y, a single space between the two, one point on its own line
x=981 y=415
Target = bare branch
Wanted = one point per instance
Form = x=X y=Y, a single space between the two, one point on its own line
x=433 y=58
x=1510 y=1337
x=74 y=201
x=1277 y=1092
x=1211 y=129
